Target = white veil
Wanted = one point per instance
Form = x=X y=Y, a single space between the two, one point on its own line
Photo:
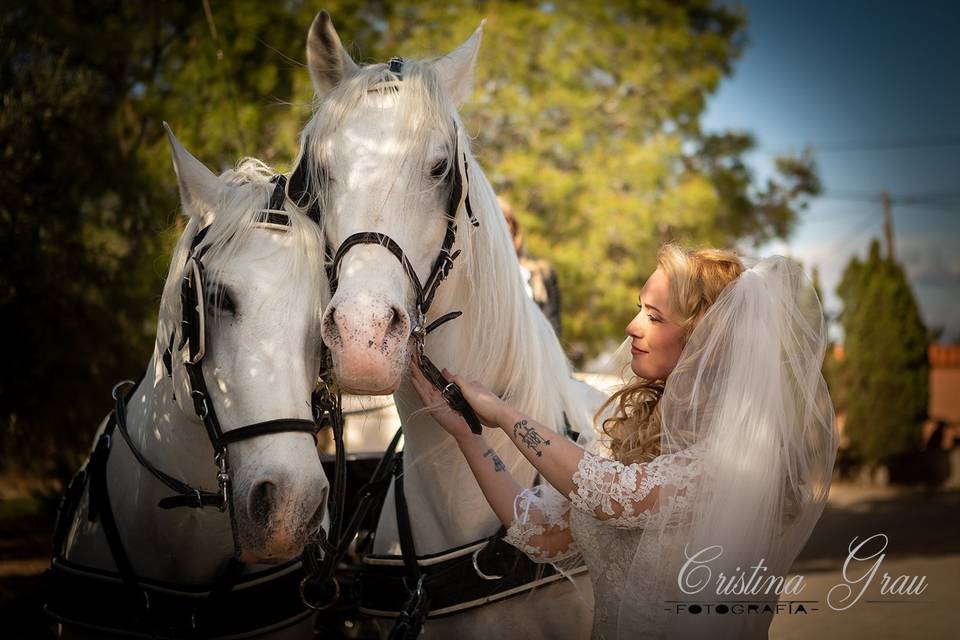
x=747 y=401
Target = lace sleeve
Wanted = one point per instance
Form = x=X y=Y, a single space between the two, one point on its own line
x=625 y=496
x=541 y=525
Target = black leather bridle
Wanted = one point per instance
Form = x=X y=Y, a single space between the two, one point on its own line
x=193 y=337
x=321 y=556
x=424 y=292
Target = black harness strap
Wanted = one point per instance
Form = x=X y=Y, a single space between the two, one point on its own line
x=270 y=427
x=101 y=510
x=186 y=495
x=320 y=589
x=257 y=603
x=409 y=622
x=328 y=410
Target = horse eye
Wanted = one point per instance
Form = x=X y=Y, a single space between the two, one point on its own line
x=439 y=169
x=221 y=301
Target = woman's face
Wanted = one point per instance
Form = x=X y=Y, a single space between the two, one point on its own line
x=656 y=341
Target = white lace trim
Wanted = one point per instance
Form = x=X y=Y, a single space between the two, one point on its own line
x=608 y=487
x=534 y=512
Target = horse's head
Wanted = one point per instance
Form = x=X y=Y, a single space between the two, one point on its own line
x=261 y=312
x=382 y=153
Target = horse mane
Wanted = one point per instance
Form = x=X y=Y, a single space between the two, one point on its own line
x=514 y=328
x=248 y=188
x=513 y=347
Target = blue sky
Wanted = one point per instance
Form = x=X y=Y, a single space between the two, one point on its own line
x=874 y=89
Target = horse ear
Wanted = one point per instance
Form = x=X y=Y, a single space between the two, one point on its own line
x=200 y=189
x=328 y=62
x=456 y=68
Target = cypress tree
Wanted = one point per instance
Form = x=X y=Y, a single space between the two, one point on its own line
x=885 y=370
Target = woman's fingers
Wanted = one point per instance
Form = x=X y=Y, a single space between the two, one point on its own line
x=418 y=381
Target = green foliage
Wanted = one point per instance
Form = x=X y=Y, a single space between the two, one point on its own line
x=585 y=116
x=885 y=372
x=88 y=193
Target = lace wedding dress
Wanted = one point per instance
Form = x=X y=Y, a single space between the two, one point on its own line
x=602 y=521
x=750 y=440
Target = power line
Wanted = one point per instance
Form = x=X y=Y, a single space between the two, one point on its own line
x=930 y=197
x=850 y=240
x=918 y=142
x=932 y=207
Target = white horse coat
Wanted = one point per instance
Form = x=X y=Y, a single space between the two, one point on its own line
x=262 y=361
x=377 y=150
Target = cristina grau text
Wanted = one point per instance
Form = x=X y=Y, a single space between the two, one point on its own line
x=861 y=570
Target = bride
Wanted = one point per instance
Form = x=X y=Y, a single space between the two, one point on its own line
x=711 y=465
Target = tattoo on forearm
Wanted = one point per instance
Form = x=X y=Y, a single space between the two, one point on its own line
x=498 y=465
x=529 y=436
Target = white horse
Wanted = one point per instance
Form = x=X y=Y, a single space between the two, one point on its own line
x=379 y=155
x=261 y=363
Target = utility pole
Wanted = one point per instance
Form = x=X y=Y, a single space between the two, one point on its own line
x=888 y=224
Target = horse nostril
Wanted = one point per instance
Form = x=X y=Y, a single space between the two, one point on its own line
x=398 y=321
x=263 y=498
x=329 y=329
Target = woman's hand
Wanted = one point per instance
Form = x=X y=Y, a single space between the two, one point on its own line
x=485 y=403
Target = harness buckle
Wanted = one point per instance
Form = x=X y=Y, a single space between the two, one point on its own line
x=419 y=333
x=116 y=388
x=447 y=391
x=317 y=604
x=223 y=478
x=447 y=263
x=476 y=566
x=203 y=409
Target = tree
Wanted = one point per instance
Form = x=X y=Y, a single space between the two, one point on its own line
x=586 y=116
x=87 y=195
x=885 y=370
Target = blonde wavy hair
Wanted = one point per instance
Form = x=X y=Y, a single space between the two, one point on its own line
x=696 y=279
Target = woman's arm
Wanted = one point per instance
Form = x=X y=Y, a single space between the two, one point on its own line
x=498 y=486
x=537 y=519
x=555 y=457
x=542 y=529
x=618 y=494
